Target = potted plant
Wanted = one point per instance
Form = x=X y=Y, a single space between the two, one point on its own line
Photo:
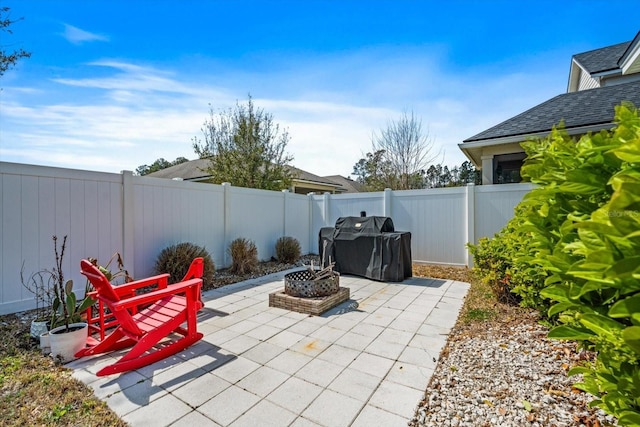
x=68 y=334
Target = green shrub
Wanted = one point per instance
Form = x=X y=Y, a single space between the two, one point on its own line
x=492 y=264
x=287 y=250
x=176 y=260
x=598 y=295
x=573 y=251
x=244 y=256
x=504 y=264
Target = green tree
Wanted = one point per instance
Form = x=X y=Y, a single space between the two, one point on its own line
x=433 y=175
x=406 y=151
x=246 y=148
x=438 y=176
x=159 y=165
x=373 y=172
x=468 y=174
x=8 y=58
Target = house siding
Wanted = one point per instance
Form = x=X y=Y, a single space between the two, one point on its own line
x=587 y=82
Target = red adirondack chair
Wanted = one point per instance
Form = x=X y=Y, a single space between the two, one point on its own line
x=144 y=321
x=101 y=320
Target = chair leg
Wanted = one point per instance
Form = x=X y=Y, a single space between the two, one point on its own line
x=114 y=341
x=134 y=359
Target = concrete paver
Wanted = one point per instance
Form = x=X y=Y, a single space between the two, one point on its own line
x=364 y=362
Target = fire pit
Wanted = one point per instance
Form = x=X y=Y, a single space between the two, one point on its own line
x=302 y=284
x=310 y=291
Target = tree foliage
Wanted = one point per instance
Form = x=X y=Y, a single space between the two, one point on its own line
x=438 y=176
x=373 y=172
x=246 y=148
x=403 y=151
x=376 y=175
x=8 y=59
x=159 y=165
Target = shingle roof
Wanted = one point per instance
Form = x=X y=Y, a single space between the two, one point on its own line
x=194 y=169
x=190 y=170
x=349 y=185
x=604 y=59
x=308 y=176
x=576 y=109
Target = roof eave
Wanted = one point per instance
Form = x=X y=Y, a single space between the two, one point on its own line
x=574 y=76
x=306 y=181
x=631 y=58
x=473 y=149
x=607 y=73
x=575 y=130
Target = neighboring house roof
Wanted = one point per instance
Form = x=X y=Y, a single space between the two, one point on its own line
x=196 y=170
x=593 y=107
x=309 y=177
x=349 y=185
x=603 y=59
x=193 y=170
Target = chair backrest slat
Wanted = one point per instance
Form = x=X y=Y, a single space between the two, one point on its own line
x=108 y=296
x=196 y=270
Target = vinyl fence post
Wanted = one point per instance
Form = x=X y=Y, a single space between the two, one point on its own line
x=226 y=186
x=311 y=233
x=326 y=208
x=470 y=190
x=285 y=195
x=386 y=202
x=128 y=221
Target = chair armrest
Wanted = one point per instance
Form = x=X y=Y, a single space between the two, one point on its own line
x=162 y=280
x=153 y=296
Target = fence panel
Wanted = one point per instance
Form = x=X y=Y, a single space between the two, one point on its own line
x=352 y=204
x=297 y=219
x=327 y=208
x=494 y=206
x=169 y=212
x=435 y=218
x=40 y=202
x=139 y=216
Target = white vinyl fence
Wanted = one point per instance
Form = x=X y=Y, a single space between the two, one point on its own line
x=104 y=213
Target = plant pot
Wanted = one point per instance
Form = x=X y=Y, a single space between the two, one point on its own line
x=64 y=345
x=45 y=343
x=38 y=328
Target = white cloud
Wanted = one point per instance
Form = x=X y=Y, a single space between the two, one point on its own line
x=78 y=36
x=134 y=114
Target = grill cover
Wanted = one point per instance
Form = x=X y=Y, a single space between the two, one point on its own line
x=367 y=246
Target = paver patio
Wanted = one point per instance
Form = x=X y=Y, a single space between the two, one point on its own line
x=365 y=362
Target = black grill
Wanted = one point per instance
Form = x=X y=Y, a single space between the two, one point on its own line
x=367 y=246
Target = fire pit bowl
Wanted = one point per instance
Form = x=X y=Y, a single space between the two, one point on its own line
x=301 y=284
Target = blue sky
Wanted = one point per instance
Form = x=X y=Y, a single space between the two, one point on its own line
x=114 y=85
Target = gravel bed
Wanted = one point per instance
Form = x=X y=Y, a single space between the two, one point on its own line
x=224 y=276
x=507 y=375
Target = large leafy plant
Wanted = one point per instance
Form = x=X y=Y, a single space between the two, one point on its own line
x=573 y=251
x=598 y=295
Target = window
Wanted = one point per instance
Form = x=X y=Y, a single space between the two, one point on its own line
x=506 y=168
